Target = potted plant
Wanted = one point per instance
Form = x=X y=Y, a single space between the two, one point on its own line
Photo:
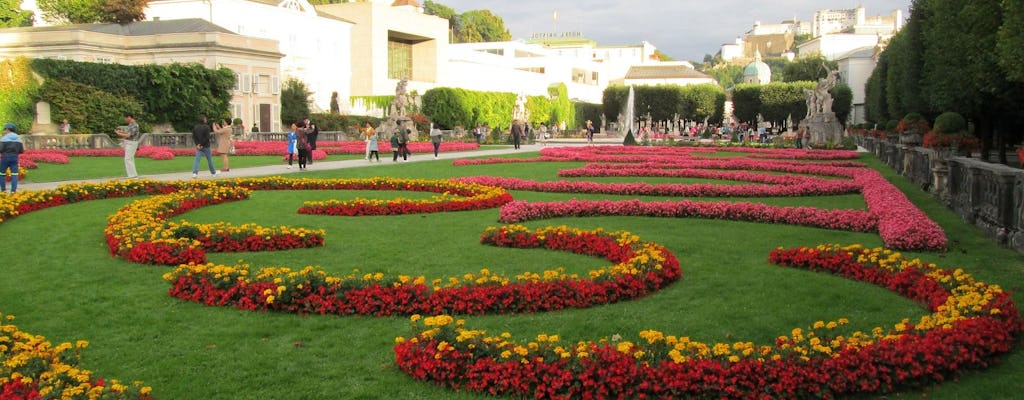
x=912 y=128
x=950 y=137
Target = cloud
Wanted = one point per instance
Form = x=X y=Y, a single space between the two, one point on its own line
x=682 y=29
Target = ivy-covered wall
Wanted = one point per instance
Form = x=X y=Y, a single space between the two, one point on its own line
x=174 y=93
x=18 y=88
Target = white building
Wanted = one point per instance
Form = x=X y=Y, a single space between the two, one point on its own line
x=833 y=45
x=520 y=67
x=855 y=68
x=316 y=46
x=855 y=20
x=161 y=42
x=665 y=73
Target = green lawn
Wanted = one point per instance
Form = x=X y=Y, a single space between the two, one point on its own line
x=61 y=282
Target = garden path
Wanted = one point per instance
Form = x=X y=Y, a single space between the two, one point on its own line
x=268 y=170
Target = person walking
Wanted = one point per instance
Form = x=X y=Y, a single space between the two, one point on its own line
x=302 y=144
x=590 y=132
x=517 y=132
x=435 y=138
x=65 y=127
x=395 y=145
x=10 y=148
x=800 y=138
x=292 y=140
x=223 y=132
x=374 y=148
x=201 y=137
x=403 y=143
x=130 y=133
x=312 y=133
x=367 y=133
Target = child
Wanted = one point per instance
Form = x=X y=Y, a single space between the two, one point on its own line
x=394 y=146
x=292 y=139
x=374 y=148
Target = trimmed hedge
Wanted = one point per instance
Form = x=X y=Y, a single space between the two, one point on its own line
x=692 y=102
x=451 y=107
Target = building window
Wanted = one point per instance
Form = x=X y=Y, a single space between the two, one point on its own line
x=399 y=60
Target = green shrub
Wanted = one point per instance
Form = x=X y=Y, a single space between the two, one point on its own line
x=891 y=125
x=587 y=111
x=630 y=140
x=950 y=123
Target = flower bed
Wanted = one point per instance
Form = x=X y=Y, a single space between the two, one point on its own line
x=784 y=186
x=970 y=323
x=32 y=368
x=141 y=233
x=455 y=196
x=899 y=223
x=640 y=268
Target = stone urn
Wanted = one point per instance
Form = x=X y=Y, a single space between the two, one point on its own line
x=911 y=137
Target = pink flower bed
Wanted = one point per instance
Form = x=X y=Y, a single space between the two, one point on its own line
x=899 y=223
x=850 y=220
x=793 y=186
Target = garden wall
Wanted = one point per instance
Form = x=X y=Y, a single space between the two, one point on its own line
x=989 y=196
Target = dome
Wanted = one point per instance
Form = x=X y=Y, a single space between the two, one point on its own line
x=757 y=71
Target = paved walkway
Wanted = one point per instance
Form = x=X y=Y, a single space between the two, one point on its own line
x=269 y=170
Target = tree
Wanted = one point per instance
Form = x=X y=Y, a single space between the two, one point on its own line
x=1011 y=40
x=482 y=26
x=875 y=106
x=93 y=11
x=294 y=101
x=842 y=102
x=961 y=69
x=904 y=76
x=12 y=16
x=71 y=11
x=727 y=75
x=662 y=56
x=810 y=68
x=123 y=11
x=442 y=11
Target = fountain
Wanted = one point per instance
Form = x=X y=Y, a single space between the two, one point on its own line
x=627 y=113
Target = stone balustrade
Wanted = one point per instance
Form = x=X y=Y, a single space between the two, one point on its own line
x=987 y=195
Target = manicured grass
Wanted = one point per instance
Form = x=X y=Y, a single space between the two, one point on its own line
x=62 y=283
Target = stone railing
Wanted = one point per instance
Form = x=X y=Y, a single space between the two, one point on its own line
x=68 y=142
x=989 y=196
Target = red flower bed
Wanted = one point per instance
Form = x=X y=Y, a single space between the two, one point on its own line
x=972 y=323
x=456 y=196
x=640 y=269
x=350 y=147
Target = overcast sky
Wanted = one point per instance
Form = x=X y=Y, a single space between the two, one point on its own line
x=682 y=29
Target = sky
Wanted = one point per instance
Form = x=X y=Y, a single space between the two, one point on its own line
x=685 y=30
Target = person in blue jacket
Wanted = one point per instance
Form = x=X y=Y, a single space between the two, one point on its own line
x=10 y=148
x=292 y=141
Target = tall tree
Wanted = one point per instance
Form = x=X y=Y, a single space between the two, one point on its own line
x=961 y=67
x=12 y=16
x=1011 y=40
x=876 y=108
x=294 y=101
x=93 y=11
x=810 y=68
x=489 y=27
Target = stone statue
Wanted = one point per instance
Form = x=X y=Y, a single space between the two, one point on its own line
x=399 y=106
x=621 y=124
x=604 y=122
x=820 y=121
x=519 y=110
